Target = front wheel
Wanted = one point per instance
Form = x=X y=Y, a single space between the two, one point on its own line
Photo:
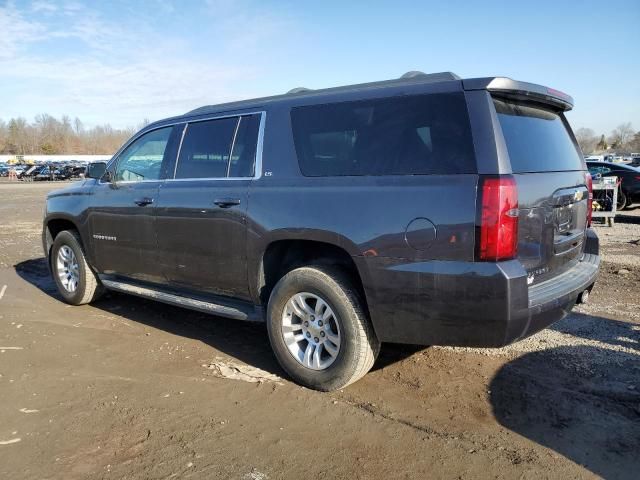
x=319 y=330
x=76 y=282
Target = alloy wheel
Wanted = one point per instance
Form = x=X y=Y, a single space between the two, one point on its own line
x=67 y=269
x=311 y=331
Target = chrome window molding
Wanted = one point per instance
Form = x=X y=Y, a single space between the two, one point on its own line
x=259 y=148
x=233 y=146
x=175 y=163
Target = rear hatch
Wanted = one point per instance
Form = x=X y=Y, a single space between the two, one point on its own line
x=551 y=183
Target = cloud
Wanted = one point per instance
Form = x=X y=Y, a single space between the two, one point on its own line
x=75 y=59
x=43 y=6
x=15 y=31
x=146 y=88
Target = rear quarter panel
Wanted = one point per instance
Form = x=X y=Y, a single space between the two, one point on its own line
x=367 y=216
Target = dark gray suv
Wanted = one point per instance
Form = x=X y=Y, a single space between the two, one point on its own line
x=424 y=210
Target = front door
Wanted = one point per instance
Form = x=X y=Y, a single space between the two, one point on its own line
x=201 y=212
x=122 y=217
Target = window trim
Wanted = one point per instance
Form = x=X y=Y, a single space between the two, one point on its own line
x=233 y=145
x=257 y=173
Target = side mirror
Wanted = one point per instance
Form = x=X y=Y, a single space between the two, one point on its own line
x=96 y=170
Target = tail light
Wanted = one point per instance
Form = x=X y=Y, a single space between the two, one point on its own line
x=589 y=182
x=497 y=233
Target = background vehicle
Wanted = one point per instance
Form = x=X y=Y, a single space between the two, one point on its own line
x=411 y=211
x=30 y=173
x=19 y=169
x=629 y=191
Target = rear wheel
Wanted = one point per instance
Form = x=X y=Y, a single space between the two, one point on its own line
x=622 y=200
x=76 y=282
x=319 y=330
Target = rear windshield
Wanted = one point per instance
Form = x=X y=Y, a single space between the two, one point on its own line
x=408 y=135
x=537 y=139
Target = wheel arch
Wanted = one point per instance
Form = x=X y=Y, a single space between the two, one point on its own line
x=52 y=227
x=285 y=254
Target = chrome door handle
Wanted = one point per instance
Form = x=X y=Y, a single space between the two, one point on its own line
x=226 y=202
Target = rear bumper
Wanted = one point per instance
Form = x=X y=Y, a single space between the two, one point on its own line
x=469 y=303
x=552 y=300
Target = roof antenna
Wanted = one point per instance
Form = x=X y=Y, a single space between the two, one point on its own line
x=413 y=74
x=298 y=90
x=434 y=77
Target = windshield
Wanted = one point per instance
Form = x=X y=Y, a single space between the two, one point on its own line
x=537 y=139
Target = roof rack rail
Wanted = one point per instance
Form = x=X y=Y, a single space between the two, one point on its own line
x=434 y=77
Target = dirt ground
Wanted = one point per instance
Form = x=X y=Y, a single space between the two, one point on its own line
x=128 y=388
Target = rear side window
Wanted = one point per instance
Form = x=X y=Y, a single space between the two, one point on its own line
x=205 y=149
x=537 y=139
x=408 y=135
x=243 y=156
x=219 y=148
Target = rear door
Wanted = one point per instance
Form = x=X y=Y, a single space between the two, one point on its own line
x=201 y=215
x=552 y=192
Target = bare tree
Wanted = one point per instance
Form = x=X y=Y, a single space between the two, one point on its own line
x=3 y=135
x=143 y=123
x=621 y=135
x=17 y=138
x=586 y=139
x=50 y=135
x=634 y=143
x=602 y=145
x=78 y=126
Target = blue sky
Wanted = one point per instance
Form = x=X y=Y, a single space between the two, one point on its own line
x=121 y=61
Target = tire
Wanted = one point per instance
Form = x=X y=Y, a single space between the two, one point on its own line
x=87 y=286
x=348 y=322
x=622 y=202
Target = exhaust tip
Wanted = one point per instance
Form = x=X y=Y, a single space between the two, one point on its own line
x=583 y=297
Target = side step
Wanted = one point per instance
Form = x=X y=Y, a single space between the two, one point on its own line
x=236 y=311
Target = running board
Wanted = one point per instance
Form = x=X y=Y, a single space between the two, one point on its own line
x=237 y=312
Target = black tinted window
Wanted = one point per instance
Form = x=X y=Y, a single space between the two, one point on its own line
x=244 y=148
x=426 y=134
x=205 y=149
x=536 y=138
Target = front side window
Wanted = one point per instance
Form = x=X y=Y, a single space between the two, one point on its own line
x=406 y=135
x=219 y=148
x=142 y=160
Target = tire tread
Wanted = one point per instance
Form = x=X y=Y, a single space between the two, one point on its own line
x=366 y=341
x=92 y=287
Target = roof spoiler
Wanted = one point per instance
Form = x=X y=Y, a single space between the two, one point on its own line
x=521 y=91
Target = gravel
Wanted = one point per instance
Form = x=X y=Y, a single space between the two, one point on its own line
x=575 y=331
